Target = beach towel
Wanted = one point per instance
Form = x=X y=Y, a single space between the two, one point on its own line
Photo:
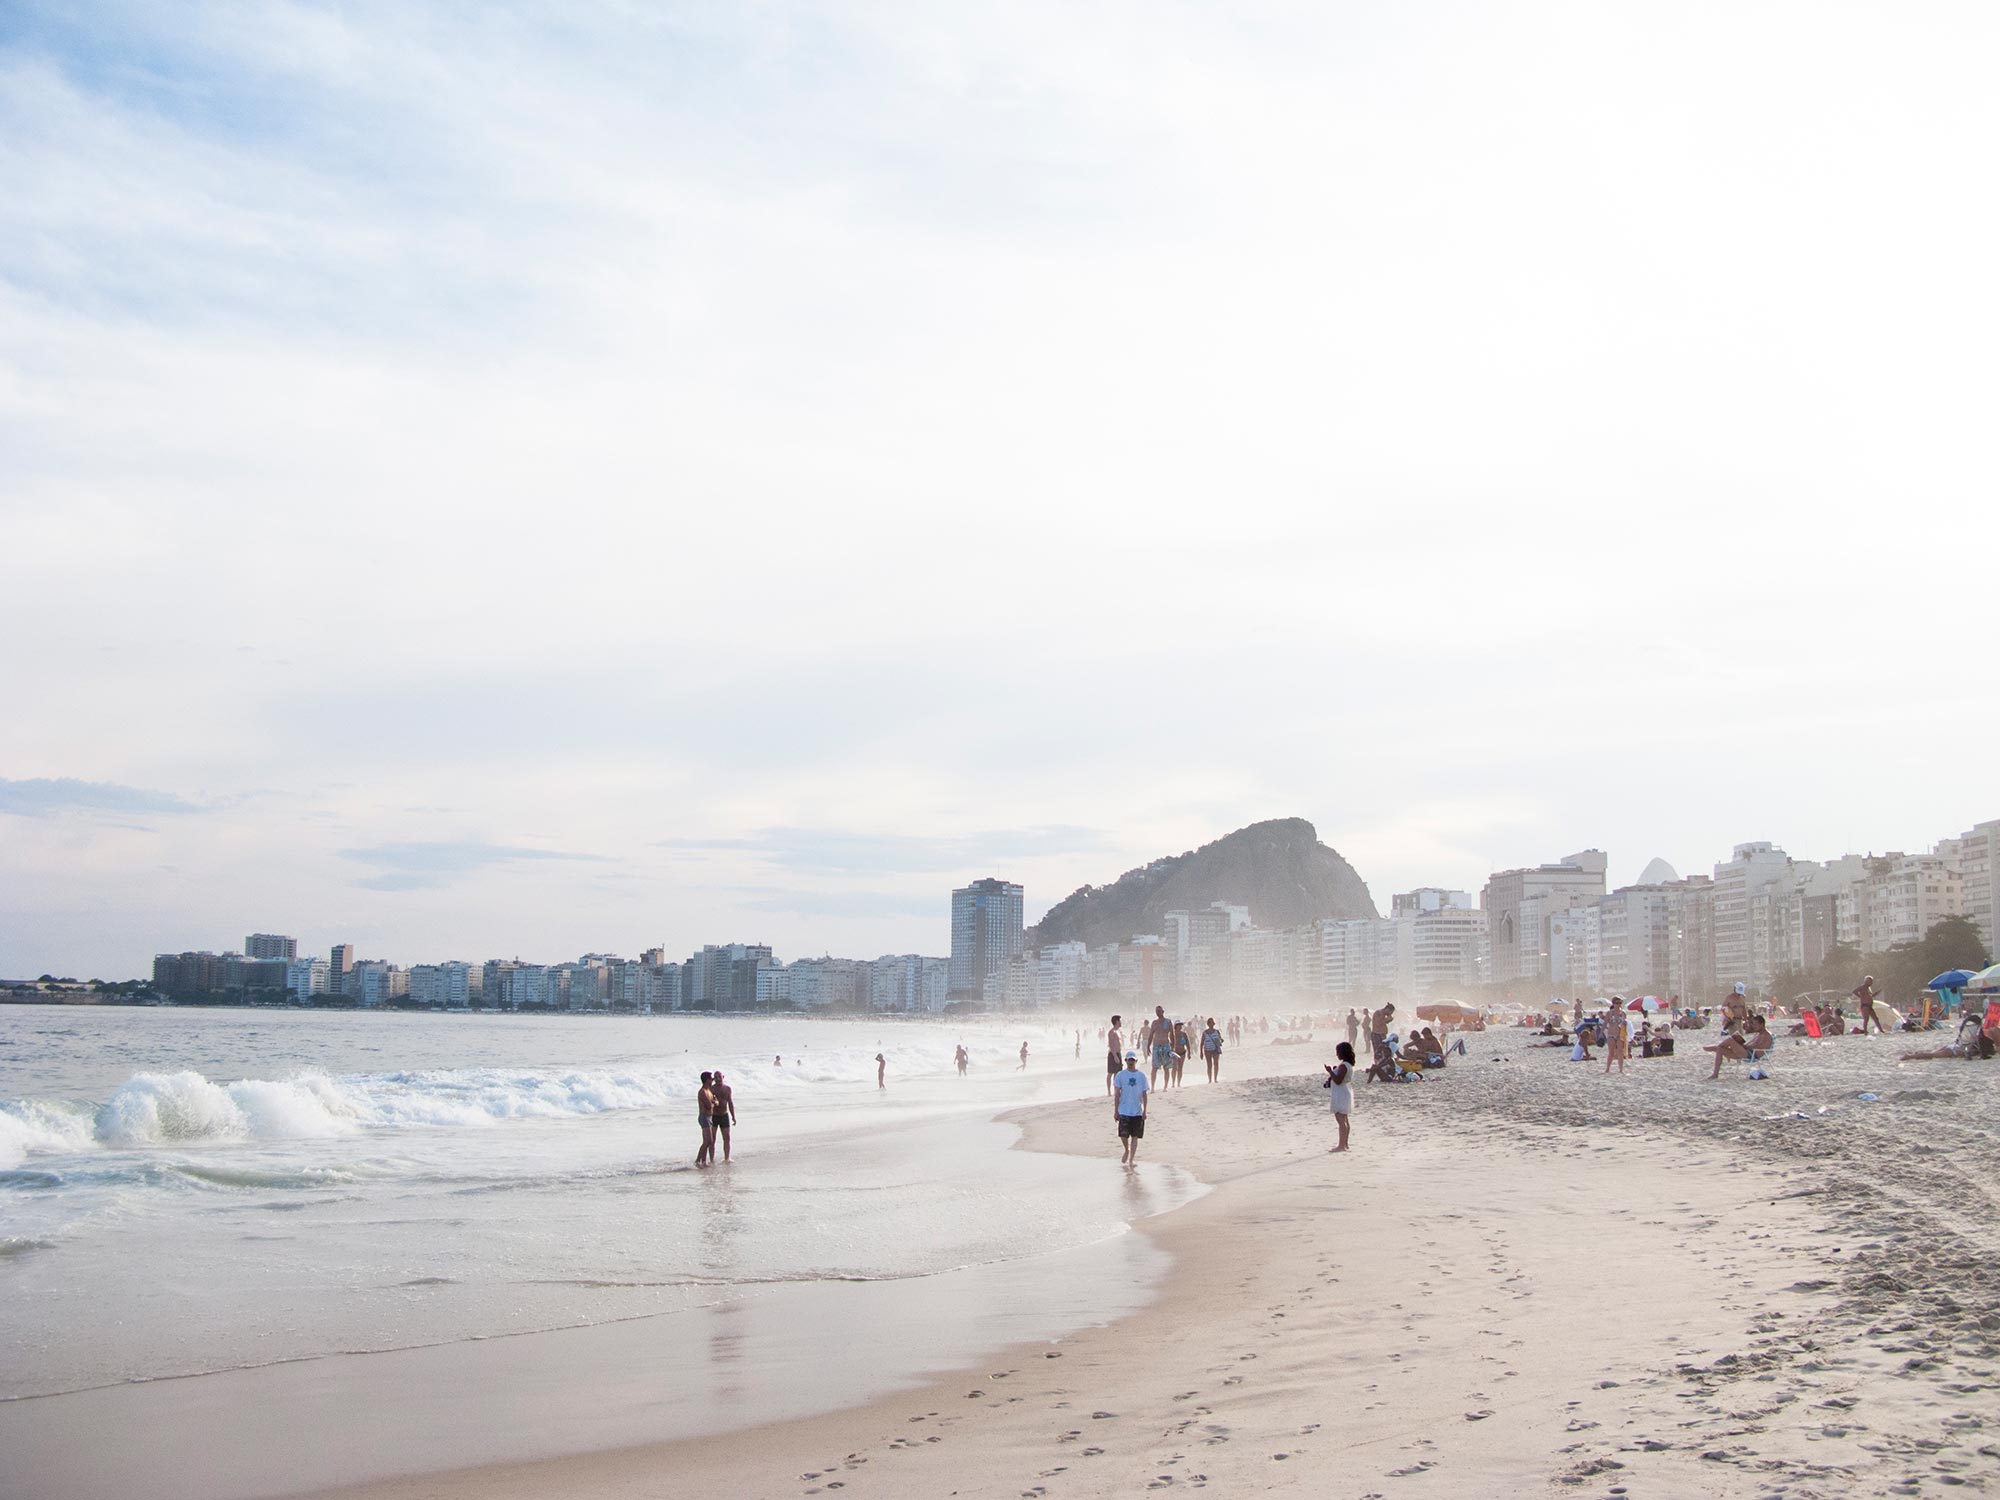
x=1812 y=1023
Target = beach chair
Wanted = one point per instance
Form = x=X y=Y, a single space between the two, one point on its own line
x=1811 y=1023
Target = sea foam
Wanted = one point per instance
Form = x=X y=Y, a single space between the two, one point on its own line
x=186 y=1109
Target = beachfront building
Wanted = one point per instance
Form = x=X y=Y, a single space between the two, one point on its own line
x=447 y=986
x=662 y=982
x=1975 y=856
x=1362 y=959
x=374 y=982
x=307 y=977
x=338 y=962
x=1634 y=928
x=1445 y=947
x=724 y=976
x=1744 y=950
x=1519 y=904
x=270 y=945
x=986 y=932
x=1576 y=950
x=828 y=983
x=1691 y=939
x=1903 y=897
x=908 y=982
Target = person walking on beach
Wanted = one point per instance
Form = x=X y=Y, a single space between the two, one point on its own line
x=722 y=1113
x=1340 y=1084
x=1024 y=1059
x=1864 y=998
x=704 y=1105
x=1353 y=1027
x=1114 y=1058
x=1211 y=1050
x=1181 y=1048
x=1617 y=1045
x=881 y=1071
x=1079 y=1046
x=1129 y=1090
x=963 y=1060
x=1160 y=1036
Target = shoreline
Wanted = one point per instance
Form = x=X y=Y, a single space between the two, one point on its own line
x=1443 y=1301
x=1525 y=1275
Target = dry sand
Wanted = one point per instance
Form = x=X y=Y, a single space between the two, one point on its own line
x=1526 y=1276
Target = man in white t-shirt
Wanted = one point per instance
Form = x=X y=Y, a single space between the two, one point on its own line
x=1130 y=1088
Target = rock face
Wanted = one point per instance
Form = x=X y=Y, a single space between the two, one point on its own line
x=1279 y=869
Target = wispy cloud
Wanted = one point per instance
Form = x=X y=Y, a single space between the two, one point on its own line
x=844 y=903
x=44 y=797
x=423 y=866
x=835 y=851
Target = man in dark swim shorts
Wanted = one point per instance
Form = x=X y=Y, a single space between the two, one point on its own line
x=1130 y=1088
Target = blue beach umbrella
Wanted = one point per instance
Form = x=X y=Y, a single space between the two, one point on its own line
x=1952 y=979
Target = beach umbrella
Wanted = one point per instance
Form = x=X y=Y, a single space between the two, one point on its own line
x=1954 y=979
x=1985 y=979
x=1635 y=1004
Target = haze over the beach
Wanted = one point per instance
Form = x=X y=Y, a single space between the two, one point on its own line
x=540 y=478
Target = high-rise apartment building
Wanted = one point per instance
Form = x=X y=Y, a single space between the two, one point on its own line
x=341 y=961
x=270 y=945
x=1744 y=950
x=1904 y=896
x=723 y=976
x=1519 y=903
x=1691 y=939
x=1975 y=855
x=1635 y=927
x=307 y=977
x=986 y=931
x=451 y=986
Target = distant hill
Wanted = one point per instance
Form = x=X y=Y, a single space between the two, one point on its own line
x=1279 y=869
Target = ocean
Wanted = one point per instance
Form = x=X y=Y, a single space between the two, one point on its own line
x=218 y=1193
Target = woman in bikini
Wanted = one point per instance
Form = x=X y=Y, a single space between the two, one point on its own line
x=1617 y=1046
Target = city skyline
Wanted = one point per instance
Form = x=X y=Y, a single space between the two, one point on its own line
x=1810 y=908
x=682 y=472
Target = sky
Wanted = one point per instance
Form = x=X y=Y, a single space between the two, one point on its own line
x=527 y=479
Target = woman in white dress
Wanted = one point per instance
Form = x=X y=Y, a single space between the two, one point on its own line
x=1340 y=1086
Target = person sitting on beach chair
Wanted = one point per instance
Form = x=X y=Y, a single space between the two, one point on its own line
x=1747 y=1045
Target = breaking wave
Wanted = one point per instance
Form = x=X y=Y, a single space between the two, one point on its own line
x=187 y=1109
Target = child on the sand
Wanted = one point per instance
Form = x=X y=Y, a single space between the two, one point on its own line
x=1340 y=1085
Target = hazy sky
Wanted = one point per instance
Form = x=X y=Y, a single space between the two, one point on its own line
x=530 y=479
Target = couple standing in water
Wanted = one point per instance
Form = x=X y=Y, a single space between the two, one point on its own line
x=715 y=1107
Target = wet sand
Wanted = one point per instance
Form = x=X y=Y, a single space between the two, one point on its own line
x=1525 y=1275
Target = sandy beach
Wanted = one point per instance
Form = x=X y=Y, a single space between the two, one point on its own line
x=1525 y=1275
